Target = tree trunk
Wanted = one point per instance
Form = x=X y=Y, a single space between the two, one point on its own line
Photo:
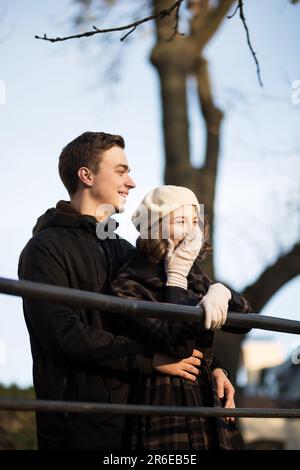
x=175 y=61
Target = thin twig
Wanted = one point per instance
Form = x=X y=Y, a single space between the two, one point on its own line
x=132 y=26
x=236 y=9
x=240 y=7
x=175 y=31
x=127 y=34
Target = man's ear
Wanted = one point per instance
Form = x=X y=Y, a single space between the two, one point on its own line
x=86 y=176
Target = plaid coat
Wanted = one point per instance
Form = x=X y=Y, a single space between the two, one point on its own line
x=140 y=279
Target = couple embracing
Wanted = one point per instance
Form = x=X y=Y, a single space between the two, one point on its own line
x=83 y=354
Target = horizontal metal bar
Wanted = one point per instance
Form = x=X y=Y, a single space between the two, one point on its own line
x=108 y=303
x=144 y=410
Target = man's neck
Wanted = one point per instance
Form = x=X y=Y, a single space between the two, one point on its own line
x=86 y=206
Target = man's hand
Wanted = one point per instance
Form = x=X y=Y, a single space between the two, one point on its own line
x=215 y=304
x=178 y=262
x=186 y=368
x=225 y=390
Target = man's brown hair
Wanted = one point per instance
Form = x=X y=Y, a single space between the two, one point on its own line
x=84 y=151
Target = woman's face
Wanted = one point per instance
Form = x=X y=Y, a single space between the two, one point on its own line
x=182 y=222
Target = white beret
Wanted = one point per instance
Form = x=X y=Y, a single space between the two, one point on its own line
x=160 y=202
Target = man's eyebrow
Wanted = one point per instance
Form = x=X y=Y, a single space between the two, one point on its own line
x=125 y=167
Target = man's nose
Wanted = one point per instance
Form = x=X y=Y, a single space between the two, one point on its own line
x=130 y=183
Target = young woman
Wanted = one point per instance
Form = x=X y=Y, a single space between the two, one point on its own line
x=167 y=267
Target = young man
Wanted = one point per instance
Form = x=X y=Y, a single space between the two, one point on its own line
x=77 y=354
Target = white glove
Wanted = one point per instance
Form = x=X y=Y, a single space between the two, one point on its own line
x=215 y=304
x=178 y=262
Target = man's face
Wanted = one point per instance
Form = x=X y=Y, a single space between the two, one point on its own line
x=112 y=183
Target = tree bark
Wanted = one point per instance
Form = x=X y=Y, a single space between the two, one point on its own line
x=175 y=61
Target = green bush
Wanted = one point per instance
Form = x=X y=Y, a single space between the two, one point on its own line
x=17 y=428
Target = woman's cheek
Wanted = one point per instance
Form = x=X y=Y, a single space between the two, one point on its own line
x=179 y=231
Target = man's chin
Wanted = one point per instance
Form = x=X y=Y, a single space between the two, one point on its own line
x=120 y=208
x=120 y=204
x=104 y=211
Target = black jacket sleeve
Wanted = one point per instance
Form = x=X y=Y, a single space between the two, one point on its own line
x=59 y=326
x=217 y=364
x=237 y=303
x=180 y=296
x=165 y=336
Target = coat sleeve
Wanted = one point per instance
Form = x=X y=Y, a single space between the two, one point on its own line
x=217 y=364
x=179 y=295
x=59 y=326
x=238 y=303
x=164 y=336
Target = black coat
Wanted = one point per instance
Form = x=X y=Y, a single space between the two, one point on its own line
x=140 y=279
x=82 y=354
x=75 y=357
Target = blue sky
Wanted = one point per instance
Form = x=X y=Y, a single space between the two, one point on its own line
x=54 y=92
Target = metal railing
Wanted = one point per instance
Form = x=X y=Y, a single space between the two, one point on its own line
x=106 y=303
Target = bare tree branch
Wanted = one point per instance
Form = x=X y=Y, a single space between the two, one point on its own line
x=215 y=17
x=175 y=32
x=211 y=114
x=240 y=7
x=207 y=23
x=286 y=268
x=234 y=13
x=129 y=32
x=132 y=26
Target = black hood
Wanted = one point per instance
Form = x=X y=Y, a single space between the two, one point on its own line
x=63 y=215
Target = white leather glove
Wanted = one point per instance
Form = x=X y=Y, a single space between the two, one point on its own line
x=178 y=262
x=215 y=304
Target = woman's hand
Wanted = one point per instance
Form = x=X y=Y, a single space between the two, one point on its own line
x=178 y=261
x=186 y=368
x=215 y=304
x=225 y=390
